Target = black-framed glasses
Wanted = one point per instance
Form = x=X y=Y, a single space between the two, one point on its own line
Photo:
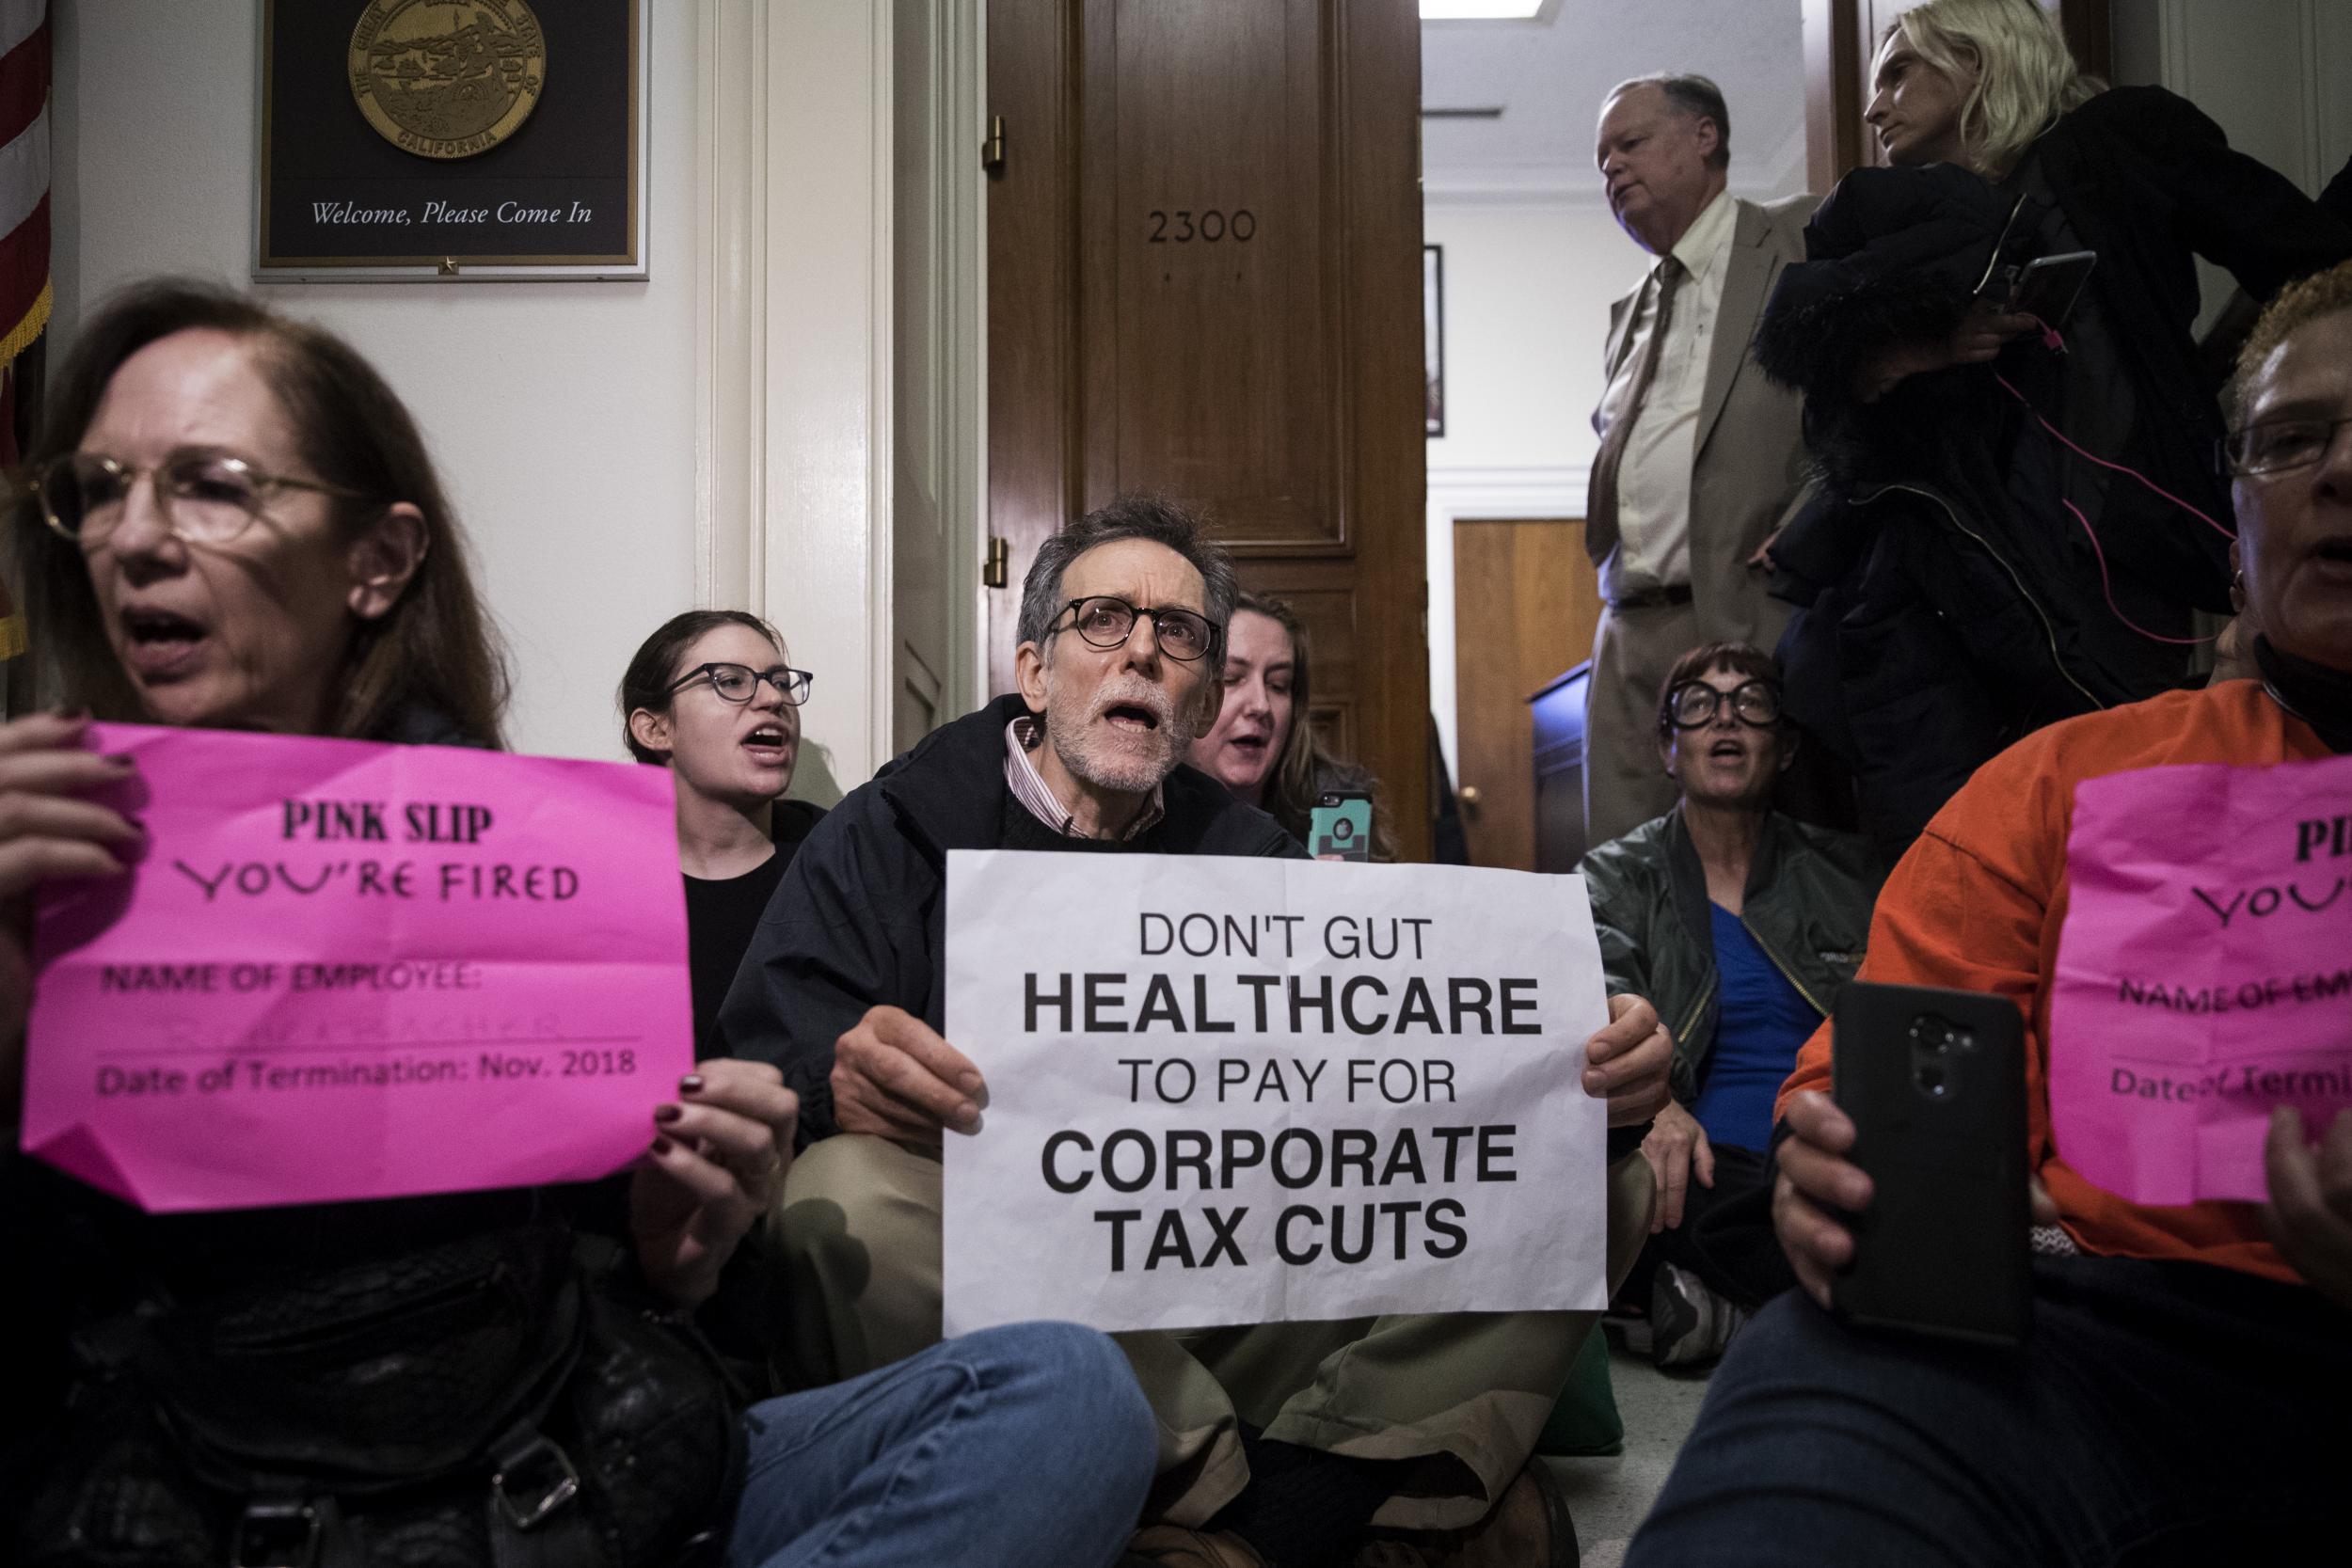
x=1693 y=704
x=206 y=498
x=2274 y=446
x=1105 y=621
x=740 y=682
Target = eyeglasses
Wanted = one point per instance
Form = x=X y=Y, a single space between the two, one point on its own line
x=740 y=682
x=205 y=497
x=1693 y=704
x=1105 y=622
x=2277 y=445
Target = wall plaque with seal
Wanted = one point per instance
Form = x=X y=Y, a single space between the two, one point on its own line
x=452 y=138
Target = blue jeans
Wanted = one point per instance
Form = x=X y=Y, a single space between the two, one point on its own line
x=2161 y=1413
x=1026 y=1445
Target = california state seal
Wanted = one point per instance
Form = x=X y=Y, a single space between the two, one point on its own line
x=447 y=78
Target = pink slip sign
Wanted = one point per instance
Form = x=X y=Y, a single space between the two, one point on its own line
x=350 y=970
x=2204 y=974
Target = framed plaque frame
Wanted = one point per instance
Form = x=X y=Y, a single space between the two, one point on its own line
x=558 y=190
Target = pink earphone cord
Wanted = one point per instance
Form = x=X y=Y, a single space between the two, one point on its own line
x=2106 y=584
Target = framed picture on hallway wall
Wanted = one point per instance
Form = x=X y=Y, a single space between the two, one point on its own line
x=450 y=139
x=1433 y=334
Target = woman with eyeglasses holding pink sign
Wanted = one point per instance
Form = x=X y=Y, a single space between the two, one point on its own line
x=231 y=522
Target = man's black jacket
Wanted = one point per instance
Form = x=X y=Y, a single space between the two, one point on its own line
x=858 y=920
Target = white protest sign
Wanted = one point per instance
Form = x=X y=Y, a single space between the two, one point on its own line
x=1242 y=1091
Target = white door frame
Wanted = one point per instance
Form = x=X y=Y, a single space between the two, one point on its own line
x=793 y=341
x=794 y=329
x=1460 y=495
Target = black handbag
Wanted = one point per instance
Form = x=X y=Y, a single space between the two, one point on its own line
x=502 y=1401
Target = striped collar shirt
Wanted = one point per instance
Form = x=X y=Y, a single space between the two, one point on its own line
x=1028 y=786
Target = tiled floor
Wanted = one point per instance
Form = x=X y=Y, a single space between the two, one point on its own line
x=1610 y=1495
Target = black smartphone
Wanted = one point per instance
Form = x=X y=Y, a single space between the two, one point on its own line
x=1936 y=1083
x=2049 y=285
x=1340 y=826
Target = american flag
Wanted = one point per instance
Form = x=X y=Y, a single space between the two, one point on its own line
x=25 y=288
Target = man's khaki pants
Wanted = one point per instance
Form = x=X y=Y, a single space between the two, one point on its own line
x=1626 y=783
x=859 y=1230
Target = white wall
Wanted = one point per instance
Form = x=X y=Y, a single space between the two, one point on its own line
x=1527 y=292
x=561 y=414
x=2275 y=74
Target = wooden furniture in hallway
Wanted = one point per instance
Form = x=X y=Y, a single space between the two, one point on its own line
x=1526 y=602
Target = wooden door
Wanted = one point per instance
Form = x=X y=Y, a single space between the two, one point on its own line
x=1526 y=604
x=1204 y=282
x=1841 y=37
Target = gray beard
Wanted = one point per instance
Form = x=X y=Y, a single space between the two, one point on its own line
x=1122 y=775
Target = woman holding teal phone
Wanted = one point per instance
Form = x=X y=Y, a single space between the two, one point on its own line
x=1260 y=751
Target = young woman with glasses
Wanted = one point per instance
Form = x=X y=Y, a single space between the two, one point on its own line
x=710 y=696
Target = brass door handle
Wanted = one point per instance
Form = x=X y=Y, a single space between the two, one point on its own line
x=1469 y=796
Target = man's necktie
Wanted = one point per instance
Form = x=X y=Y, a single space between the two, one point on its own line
x=1604 y=487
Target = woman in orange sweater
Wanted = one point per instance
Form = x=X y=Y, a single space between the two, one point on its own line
x=2185 y=1396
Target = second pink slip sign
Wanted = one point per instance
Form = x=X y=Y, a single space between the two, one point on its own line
x=347 y=971
x=2204 y=974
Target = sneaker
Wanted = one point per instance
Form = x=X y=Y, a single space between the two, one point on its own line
x=1629 y=1325
x=1688 y=1322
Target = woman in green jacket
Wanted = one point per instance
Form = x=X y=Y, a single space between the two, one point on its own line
x=1741 y=925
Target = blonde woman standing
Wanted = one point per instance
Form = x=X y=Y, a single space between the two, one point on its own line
x=2020 y=510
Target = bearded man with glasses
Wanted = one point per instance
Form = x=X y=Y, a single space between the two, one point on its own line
x=1279 y=1443
x=1742 y=925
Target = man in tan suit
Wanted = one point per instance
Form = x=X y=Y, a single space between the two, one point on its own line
x=1700 y=457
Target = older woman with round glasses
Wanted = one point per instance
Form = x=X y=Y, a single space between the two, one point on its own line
x=232 y=522
x=710 y=696
x=1740 y=926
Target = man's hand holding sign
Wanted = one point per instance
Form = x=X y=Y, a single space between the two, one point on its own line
x=894 y=1077
x=1625 y=1062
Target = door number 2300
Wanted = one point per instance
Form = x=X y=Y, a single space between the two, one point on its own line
x=1211 y=225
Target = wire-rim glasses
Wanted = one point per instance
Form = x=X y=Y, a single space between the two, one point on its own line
x=2275 y=446
x=740 y=682
x=207 y=498
x=1105 y=621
